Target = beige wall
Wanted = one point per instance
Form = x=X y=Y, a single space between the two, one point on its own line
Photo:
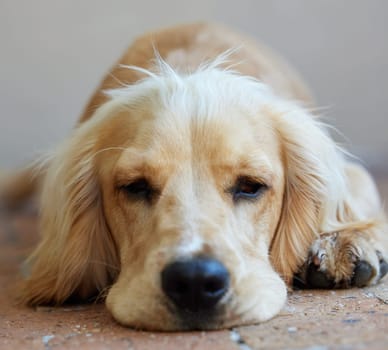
x=53 y=53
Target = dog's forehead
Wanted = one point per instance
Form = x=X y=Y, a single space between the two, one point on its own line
x=216 y=118
x=230 y=143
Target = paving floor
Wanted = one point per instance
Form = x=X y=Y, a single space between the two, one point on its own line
x=313 y=320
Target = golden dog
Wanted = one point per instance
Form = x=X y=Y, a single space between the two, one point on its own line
x=195 y=189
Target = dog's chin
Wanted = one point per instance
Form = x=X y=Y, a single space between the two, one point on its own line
x=168 y=319
x=179 y=322
x=190 y=322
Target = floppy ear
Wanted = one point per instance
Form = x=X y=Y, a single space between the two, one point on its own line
x=77 y=254
x=315 y=194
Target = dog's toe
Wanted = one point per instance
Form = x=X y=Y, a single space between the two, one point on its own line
x=318 y=279
x=383 y=265
x=363 y=273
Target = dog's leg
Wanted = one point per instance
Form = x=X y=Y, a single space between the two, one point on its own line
x=356 y=255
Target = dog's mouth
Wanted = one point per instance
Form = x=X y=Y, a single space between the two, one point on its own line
x=201 y=319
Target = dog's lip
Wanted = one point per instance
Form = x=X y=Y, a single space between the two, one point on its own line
x=220 y=321
x=221 y=317
x=195 y=317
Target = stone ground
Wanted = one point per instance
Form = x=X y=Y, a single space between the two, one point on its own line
x=313 y=320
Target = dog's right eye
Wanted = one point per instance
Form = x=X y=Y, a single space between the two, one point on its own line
x=139 y=189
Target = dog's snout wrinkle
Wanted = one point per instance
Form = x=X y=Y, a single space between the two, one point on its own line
x=195 y=285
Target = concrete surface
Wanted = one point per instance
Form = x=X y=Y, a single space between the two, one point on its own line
x=314 y=320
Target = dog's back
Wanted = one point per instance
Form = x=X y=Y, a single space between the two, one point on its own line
x=189 y=46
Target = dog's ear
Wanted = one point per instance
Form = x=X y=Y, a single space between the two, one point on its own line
x=315 y=188
x=77 y=255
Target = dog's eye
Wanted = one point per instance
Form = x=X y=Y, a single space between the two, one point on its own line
x=139 y=189
x=247 y=188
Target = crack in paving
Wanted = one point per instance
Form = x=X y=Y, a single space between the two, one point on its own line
x=236 y=338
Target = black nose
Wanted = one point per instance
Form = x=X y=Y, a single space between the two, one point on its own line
x=196 y=284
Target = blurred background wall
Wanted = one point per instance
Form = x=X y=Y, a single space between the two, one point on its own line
x=53 y=53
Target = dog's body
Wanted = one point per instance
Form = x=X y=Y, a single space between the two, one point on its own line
x=199 y=193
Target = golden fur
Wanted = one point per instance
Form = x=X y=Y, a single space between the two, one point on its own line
x=191 y=129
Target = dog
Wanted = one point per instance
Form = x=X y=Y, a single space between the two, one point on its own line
x=197 y=187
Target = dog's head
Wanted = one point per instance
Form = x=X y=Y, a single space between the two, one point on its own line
x=189 y=199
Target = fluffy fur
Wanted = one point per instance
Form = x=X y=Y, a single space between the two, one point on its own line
x=192 y=129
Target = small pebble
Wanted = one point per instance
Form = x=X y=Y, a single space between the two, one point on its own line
x=292 y=329
x=70 y=335
x=351 y=320
x=47 y=338
x=338 y=306
x=369 y=295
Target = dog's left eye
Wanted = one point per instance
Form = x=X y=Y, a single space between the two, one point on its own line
x=247 y=188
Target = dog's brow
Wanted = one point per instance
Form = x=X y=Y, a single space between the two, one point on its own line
x=257 y=167
x=125 y=173
x=130 y=168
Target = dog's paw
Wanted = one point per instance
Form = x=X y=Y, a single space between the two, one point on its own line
x=342 y=260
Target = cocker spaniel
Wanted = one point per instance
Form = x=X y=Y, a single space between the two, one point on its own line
x=195 y=189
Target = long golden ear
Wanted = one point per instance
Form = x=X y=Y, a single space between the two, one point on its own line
x=77 y=255
x=315 y=188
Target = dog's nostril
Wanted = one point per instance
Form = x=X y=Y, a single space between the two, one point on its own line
x=213 y=286
x=181 y=288
x=196 y=284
